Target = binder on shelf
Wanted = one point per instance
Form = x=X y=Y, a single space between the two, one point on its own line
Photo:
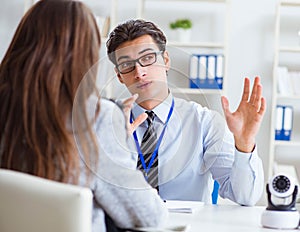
x=194 y=72
x=288 y=82
x=220 y=70
x=211 y=69
x=206 y=71
x=295 y=80
x=202 y=70
x=284 y=85
x=284 y=122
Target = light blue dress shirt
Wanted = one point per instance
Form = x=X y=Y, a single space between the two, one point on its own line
x=198 y=148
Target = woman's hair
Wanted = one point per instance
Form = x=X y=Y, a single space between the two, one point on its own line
x=54 y=46
x=131 y=30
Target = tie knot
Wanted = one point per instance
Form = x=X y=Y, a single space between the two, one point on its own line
x=151 y=116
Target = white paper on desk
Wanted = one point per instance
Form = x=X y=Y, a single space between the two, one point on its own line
x=182 y=228
x=184 y=206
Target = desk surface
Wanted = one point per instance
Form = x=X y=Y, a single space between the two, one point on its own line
x=222 y=218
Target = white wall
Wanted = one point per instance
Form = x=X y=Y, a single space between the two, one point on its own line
x=11 y=12
x=251 y=49
x=251 y=46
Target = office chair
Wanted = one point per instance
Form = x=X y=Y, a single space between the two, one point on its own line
x=33 y=204
x=215 y=193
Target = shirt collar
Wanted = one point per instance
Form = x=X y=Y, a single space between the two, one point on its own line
x=161 y=110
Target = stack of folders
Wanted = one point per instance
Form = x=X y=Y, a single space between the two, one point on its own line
x=206 y=71
x=284 y=122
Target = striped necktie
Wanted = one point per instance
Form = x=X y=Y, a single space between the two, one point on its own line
x=148 y=145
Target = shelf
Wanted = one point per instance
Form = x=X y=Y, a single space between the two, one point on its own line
x=287 y=143
x=197 y=91
x=196 y=44
x=288 y=97
x=295 y=49
x=290 y=3
x=286 y=54
x=287 y=158
x=214 y=43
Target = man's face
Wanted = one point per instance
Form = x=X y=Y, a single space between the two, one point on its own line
x=150 y=81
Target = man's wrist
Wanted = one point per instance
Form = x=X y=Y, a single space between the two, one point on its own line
x=246 y=147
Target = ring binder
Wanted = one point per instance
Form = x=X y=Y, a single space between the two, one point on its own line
x=284 y=122
x=207 y=72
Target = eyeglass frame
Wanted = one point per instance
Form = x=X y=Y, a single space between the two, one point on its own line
x=138 y=61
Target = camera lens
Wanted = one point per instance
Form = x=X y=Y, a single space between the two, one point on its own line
x=281 y=184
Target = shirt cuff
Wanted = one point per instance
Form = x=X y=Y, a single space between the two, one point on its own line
x=242 y=158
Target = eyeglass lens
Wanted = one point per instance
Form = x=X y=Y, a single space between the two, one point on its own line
x=129 y=66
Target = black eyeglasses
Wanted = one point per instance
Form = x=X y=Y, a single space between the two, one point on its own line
x=145 y=60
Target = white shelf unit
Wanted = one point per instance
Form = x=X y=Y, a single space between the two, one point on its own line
x=287 y=53
x=210 y=30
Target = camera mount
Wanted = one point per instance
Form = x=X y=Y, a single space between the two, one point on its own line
x=281 y=216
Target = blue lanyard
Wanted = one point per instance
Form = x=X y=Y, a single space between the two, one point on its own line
x=157 y=145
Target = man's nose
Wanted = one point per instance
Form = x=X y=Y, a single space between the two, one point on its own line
x=139 y=71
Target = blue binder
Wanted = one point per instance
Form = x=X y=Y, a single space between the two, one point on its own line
x=206 y=71
x=284 y=122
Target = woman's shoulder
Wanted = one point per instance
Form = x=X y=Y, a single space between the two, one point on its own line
x=110 y=111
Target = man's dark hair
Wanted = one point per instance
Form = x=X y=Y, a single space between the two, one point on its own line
x=131 y=30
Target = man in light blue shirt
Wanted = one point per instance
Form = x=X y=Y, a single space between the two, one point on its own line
x=196 y=145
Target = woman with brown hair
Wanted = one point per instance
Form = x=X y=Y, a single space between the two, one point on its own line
x=43 y=75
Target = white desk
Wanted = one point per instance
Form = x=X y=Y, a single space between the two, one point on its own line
x=222 y=218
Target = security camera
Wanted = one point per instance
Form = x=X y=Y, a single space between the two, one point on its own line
x=281 y=186
x=281 y=216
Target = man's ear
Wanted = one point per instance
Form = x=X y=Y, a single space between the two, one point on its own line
x=119 y=75
x=167 y=60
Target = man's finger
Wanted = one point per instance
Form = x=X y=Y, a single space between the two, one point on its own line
x=246 y=91
x=129 y=101
x=138 y=121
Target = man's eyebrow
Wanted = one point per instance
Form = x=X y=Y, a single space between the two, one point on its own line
x=145 y=50
x=141 y=52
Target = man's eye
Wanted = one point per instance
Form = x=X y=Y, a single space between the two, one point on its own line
x=125 y=65
x=148 y=57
